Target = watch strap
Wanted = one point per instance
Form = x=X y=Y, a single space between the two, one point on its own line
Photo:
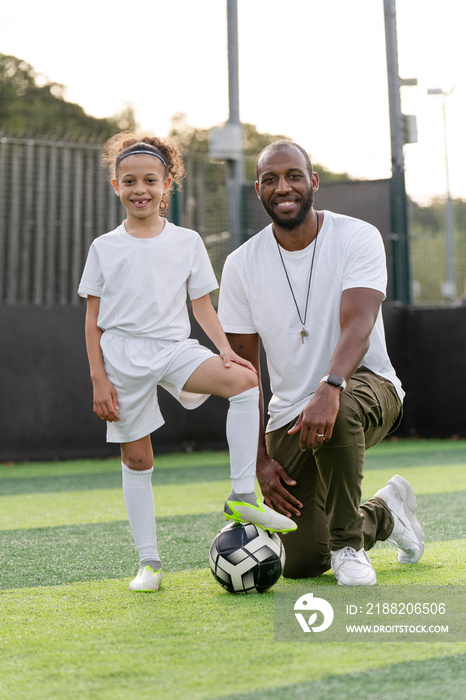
x=334 y=380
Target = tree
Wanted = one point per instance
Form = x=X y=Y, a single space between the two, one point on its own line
x=197 y=140
x=31 y=105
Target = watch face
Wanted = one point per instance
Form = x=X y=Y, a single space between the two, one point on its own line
x=335 y=379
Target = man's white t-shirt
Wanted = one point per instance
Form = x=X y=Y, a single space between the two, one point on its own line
x=143 y=283
x=255 y=297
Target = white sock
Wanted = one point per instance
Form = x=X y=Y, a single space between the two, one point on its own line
x=139 y=502
x=243 y=437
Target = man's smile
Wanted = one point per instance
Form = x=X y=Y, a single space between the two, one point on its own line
x=283 y=206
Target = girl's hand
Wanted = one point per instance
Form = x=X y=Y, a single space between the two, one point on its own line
x=228 y=356
x=106 y=404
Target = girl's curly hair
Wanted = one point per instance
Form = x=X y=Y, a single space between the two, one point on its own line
x=127 y=141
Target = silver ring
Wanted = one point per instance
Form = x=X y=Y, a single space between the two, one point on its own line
x=317 y=435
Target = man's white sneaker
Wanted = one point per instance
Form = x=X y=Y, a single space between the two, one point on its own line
x=352 y=568
x=146 y=580
x=407 y=534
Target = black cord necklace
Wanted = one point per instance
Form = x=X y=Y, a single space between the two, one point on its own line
x=304 y=332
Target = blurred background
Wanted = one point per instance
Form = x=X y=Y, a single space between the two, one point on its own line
x=373 y=89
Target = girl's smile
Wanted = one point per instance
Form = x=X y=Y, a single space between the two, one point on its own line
x=140 y=202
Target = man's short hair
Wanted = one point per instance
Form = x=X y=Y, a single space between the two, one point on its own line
x=276 y=146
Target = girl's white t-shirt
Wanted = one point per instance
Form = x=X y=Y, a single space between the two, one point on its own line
x=255 y=297
x=143 y=283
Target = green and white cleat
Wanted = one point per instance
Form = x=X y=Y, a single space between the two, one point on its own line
x=146 y=580
x=259 y=514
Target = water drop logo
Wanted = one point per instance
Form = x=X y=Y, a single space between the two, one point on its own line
x=311 y=606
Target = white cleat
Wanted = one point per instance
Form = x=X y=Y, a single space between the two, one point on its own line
x=407 y=533
x=259 y=514
x=146 y=580
x=352 y=568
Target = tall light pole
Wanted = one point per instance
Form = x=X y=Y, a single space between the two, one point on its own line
x=449 y=288
x=235 y=164
x=226 y=142
x=399 y=214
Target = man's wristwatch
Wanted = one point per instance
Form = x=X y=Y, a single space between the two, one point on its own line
x=334 y=380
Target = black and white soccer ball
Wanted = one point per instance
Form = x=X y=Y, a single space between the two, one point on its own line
x=246 y=558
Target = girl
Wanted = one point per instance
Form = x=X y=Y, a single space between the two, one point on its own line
x=136 y=281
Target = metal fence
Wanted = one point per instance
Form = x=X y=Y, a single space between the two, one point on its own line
x=54 y=201
x=438 y=253
x=201 y=204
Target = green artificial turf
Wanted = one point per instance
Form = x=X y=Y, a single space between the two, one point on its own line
x=69 y=628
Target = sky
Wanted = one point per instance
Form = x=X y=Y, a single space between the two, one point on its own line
x=313 y=70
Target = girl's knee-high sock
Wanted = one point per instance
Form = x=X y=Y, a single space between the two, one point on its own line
x=242 y=435
x=139 y=502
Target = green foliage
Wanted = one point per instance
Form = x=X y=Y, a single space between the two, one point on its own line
x=202 y=203
x=31 y=105
x=197 y=141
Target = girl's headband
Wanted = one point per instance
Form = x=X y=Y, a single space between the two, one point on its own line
x=142 y=150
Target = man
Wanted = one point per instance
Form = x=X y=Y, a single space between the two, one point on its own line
x=310 y=286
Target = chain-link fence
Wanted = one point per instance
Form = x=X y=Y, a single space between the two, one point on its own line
x=54 y=202
x=201 y=204
x=435 y=238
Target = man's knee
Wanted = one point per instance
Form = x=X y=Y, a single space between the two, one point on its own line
x=305 y=569
x=304 y=559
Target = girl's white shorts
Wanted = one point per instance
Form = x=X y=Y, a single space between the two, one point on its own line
x=135 y=366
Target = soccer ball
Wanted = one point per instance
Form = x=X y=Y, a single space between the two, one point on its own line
x=246 y=559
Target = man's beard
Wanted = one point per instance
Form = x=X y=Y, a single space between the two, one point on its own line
x=291 y=223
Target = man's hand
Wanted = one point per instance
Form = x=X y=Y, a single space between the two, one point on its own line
x=271 y=475
x=359 y=308
x=318 y=417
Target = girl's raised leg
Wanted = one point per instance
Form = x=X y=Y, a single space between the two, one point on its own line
x=240 y=386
